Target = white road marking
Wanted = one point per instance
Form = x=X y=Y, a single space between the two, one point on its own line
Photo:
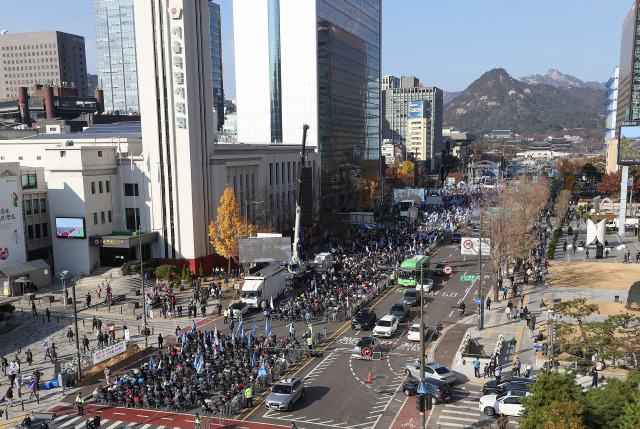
x=451 y=313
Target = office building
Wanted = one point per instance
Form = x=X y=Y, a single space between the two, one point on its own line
x=315 y=63
x=395 y=114
x=628 y=108
x=387 y=82
x=419 y=125
x=50 y=58
x=114 y=25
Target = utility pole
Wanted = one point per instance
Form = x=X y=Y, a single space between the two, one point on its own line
x=422 y=344
x=75 y=322
x=144 y=295
x=480 y=306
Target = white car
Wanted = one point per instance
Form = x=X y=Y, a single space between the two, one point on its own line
x=507 y=403
x=431 y=370
x=414 y=332
x=427 y=286
x=386 y=326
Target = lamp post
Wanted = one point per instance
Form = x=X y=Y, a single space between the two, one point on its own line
x=75 y=322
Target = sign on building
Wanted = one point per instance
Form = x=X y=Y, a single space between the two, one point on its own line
x=12 y=249
x=418 y=109
x=109 y=352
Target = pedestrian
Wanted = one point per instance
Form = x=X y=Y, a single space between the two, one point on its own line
x=160 y=341
x=525 y=313
x=29 y=357
x=516 y=367
x=219 y=307
x=527 y=370
x=226 y=316
x=248 y=394
x=96 y=421
x=512 y=280
x=594 y=380
x=203 y=310
x=231 y=324
x=488 y=303
x=521 y=298
x=80 y=404
x=507 y=311
x=476 y=367
x=293 y=425
x=498 y=373
x=4 y=363
x=521 y=313
x=33 y=309
x=197 y=421
x=503 y=421
x=70 y=335
x=606 y=254
x=486 y=370
x=292 y=331
x=85 y=344
x=504 y=292
x=9 y=396
x=587 y=254
x=48 y=313
x=107 y=373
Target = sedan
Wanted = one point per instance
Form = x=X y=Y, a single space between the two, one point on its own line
x=439 y=269
x=439 y=390
x=414 y=332
x=431 y=370
x=507 y=403
x=400 y=310
x=365 y=319
x=238 y=309
x=517 y=384
x=456 y=237
x=365 y=348
x=410 y=298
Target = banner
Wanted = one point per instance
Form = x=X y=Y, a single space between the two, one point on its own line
x=109 y=352
x=12 y=250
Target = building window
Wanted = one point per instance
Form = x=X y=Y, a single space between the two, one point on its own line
x=45 y=230
x=102 y=218
x=271 y=174
x=63 y=153
x=36 y=206
x=131 y=189
x=29 y=181
x=100 y=154
x=95 y=218
x=109 y=216
x=27 y=207
x=108 y=185
x=43 y=205
x=38 y=231
x=100 y=186
x=132 y=219
x=93 y=187
x=277 y=173
x=30 y=232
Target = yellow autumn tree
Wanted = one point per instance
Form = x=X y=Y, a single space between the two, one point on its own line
x=229 y=226
x=407 y=167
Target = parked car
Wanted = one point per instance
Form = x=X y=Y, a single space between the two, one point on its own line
x=507 y=403
x=439 y=390
x=431 y=370
x=238 y=309
x=365 y=319
x=439 y=268
x=456 y=237
x=285 y=393
x=370 y=343
x=400 y=310
x=518 y=384
x=386 y=326
x=411 y=298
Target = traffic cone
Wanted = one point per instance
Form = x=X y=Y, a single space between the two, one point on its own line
x=465 y=258
x=369 y=378
x=442 y=282
x=425 y=300
x=431 y=295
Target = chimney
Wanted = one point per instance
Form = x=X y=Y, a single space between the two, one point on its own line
x=99 y=94
x=23 y=104
x=49 y=105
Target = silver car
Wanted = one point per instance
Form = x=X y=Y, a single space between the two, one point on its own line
x=284 y=394
x=431 y=370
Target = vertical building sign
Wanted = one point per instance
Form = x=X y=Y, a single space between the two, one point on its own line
x=178 y=64
x=12 y=249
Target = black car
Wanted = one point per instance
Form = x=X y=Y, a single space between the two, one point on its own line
x=365 y=319
x=516 y=384
x=410 y=298
x=400 y=310
x=439 y=390
x=456 y=237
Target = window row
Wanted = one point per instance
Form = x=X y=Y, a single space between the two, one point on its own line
x=101 y=189
x=35 y=206
x=41 y=231
x=103 y=218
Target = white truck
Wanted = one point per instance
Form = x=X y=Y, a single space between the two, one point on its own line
x=322 y=262
x=268 y=283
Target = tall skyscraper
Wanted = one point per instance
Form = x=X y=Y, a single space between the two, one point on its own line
x=116 y=54
x=628 y=94
x=216 y=62
x=315 y=63
x=173 y=40
x=50 y=58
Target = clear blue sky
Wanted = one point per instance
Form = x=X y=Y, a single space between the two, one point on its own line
x=445 y=43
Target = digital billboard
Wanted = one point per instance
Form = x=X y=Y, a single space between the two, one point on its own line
x=629 y=143
x=12 y=250
x=266 y=249
x=408 y=195
x=488 y=176
x=70 y=227
x=418 y=109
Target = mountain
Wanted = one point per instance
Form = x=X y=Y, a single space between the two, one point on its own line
x=559 y=79
x=496 y=101
x=448 y=96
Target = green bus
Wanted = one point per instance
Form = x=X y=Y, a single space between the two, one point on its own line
x=409 y=273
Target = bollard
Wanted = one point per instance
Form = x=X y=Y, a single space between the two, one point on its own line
x=37 y=396
x=6 y=413
x=22 y=404
x=83 y=323
x=43 y=318
x=120 y=309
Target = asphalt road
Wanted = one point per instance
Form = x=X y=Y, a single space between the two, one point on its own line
x=337 y=391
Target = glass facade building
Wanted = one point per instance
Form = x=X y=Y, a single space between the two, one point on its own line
x=629 y=76
x=116 y=55
x=216 y=62
x=275 y=83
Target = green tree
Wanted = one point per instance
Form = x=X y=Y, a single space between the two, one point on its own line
x=550 y=394
x=201 y=271
x=591 y=174
x=599 y=412
x=167 y=272
x=630 y=418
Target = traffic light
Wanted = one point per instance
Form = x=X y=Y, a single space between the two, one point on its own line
x=420 y=403
x=429 y=402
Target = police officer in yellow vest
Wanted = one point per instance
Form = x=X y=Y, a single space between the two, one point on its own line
x=198 y=421
x=248 y=394
x=80 y=404
x=309 y=343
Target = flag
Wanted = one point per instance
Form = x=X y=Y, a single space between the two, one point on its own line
x=271 y=304
x=205 y=336
x=184 y=339
x=255 y=327
x=199 y=364
x=269 y=333
x=240 y=330
x=32 y=385
x=193 y=328
x=253 y=362
x=233 y=339
x=266 y=328
x=152 y=363
x=630 y=184
x=249 y=339
x=46 y=344
x=261 y=371
x=221 y=349
x=316 y=288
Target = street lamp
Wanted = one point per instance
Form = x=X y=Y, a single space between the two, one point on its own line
x=75 y=322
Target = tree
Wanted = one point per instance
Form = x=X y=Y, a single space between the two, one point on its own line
x=550 y=394
x=167 y=272
x=591 y=174
x=630 y=418
x=201 y=271
x=610 y=184
x=407 y=167
x=567 y=172
x=229 y=227
x=598 y=412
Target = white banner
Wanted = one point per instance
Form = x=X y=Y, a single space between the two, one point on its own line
x=469 y=246
x=12 y=250
x=109 y=352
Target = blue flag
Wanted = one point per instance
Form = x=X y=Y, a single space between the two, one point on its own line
x=152 y=364
x=205 y=335
x=269 y=332
x=249 y=340
x=255 y=327
x=240 y=330
x=253 y=362
x=184 y=339
x=233 y=339
x=199 y=364
x=266 y=328
x=193 y=328
x=261 y=371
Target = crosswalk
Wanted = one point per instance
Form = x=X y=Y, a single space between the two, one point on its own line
x=80 y=422
x=462 y=410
